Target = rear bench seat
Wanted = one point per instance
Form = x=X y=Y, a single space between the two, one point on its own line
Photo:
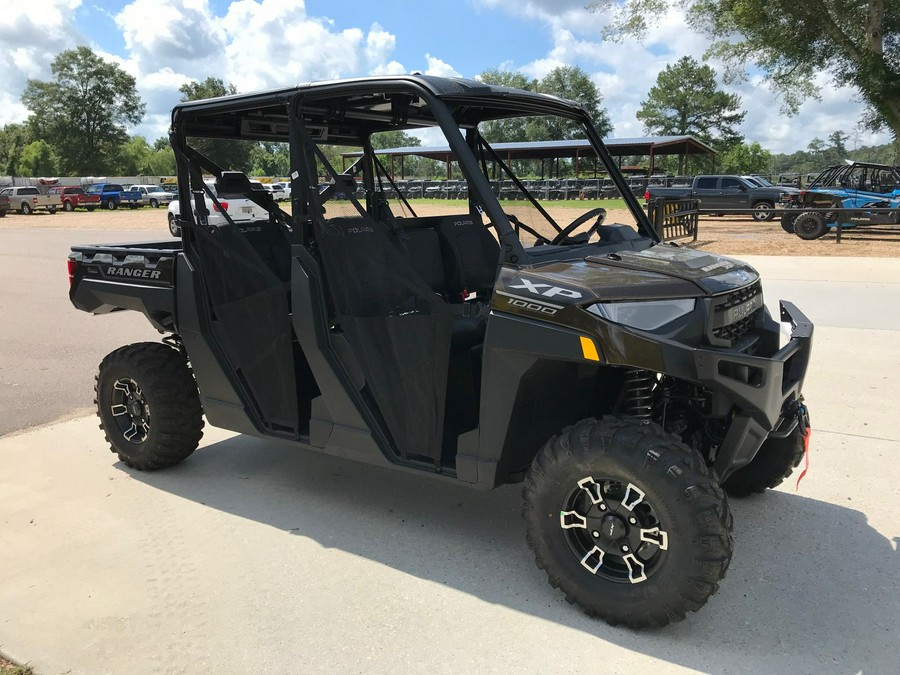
x=454 y=255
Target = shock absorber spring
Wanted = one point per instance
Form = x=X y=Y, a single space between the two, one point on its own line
x=638 y=396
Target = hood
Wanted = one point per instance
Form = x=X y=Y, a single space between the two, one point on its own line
x=657 y=273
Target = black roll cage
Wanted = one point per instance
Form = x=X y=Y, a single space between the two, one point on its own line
x=292 y=114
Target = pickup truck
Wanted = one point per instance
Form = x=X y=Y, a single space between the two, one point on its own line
x=75 y=197
x=241 y=209
x=114 y=195
x=726 y=193
x=153 y=195
x=4 y=205
x=28 y=199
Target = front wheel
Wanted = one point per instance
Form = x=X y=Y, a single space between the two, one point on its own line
x=148 y=405
x=174 y=229
x=627 y=521
x=776 y=460
x=154 y=204
x=763 y=212
x=809 y=226
x=90 y=208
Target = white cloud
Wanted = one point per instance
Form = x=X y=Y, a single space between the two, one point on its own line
x=32 y=32
x=439 y=68
x=624 y=73
x=253 y=44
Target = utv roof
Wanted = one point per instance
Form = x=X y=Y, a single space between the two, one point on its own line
x=373 y=103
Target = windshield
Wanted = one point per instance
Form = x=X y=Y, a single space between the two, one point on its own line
x=550 y=184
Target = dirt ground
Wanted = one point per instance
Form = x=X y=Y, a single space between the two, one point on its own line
x=726 y=235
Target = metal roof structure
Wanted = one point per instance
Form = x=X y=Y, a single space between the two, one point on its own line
x=646 y=146
x=579 y=149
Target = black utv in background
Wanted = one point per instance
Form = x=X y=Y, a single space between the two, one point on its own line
x=624 y=381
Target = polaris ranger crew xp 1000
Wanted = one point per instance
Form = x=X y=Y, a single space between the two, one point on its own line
x=629 y=384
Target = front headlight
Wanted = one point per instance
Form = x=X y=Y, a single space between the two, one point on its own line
x=644 y=315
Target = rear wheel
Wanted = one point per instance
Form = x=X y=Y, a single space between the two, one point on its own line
x=111 y=204
x=787 y=222
x=148 y=405
x=810 y=226
x=68 y=206
x=174 y=229
x=26 y=208
x=763 y=211
x=51 y=210
x=627 y=521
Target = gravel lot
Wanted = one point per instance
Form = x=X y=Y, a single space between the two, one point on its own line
x=728 y=235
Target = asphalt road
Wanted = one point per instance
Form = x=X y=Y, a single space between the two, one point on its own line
x=50 y=350
x=254 y=556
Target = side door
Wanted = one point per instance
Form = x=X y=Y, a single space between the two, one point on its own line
x=706 y=189
x=734 y=193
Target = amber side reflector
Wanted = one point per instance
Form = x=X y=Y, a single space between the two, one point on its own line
x=589 y=349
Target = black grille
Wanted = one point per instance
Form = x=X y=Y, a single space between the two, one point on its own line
x=734 y=330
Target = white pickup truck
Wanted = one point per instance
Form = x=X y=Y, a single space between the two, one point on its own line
x=239 y=208
x=28 y=199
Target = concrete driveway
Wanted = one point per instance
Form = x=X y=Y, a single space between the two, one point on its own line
x=253 y=556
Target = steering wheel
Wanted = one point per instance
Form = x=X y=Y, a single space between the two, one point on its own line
x=599 y=213
x=540 y=239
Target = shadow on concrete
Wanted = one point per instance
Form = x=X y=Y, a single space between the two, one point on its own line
x=811 y=587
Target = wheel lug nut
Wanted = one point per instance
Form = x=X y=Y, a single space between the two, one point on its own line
x=603 y=507
x=624 y=549
x=632 y=520
x=596 y=534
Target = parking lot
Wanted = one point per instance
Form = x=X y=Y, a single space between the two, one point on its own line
x=253 y=556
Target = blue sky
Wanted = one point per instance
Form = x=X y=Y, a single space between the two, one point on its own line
x=265 y=43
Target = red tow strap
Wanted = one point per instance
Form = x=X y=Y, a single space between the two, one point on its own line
x=806 y=435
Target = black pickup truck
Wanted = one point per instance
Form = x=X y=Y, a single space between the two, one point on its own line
x=727 y=192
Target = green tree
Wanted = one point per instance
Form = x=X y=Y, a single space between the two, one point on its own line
x=38 y=159
x=686 y=100
x=857 y=43
x=573 y=83
x=508 y=130
x=270 y=159
x=838 y=140
x=746 y=159
x=384 y=140
x=84 y=112
x=133 y=158
x=570 y=82
x=13 y=138
x=227 y=153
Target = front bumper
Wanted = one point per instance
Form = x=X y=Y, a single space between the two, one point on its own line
x=758 y=392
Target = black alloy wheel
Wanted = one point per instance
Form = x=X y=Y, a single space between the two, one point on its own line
x=809 y=226
x=613 y=530
x=130 y=410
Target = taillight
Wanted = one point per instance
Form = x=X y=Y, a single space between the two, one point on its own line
x=802 y=194
x=647 y=196
x=34 y=200
x=71 y=266
x=223 y=205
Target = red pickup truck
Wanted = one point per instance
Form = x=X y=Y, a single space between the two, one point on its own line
x=75 y=197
